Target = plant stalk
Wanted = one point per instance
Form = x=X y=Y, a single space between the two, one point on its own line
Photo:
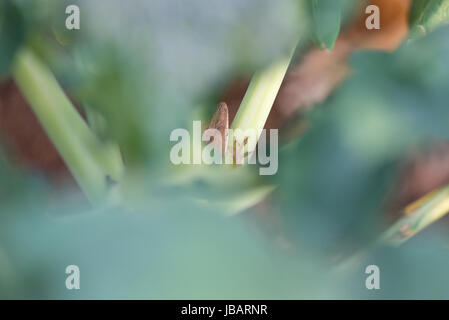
x=259 y=98
x=78 y=146
x=418 y=216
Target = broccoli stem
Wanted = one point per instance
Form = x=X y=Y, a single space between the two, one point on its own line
x=76 y=143
x=259 y=97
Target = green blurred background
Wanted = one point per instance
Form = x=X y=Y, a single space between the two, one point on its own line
x=148 y=67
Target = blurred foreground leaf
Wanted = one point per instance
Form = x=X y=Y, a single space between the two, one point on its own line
x=334 y=181
x=326 y=20
x=426 y=15
x=170 y=252
x=12 y=33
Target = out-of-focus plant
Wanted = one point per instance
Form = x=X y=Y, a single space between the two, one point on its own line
x=88 y=159
x=426 y=15
x=149 y=68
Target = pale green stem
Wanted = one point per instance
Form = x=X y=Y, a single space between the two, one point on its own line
x=252 y=114
x=417 y=216
x=425 y=211
x=259 y=98
x=109 y=156
x=78 y=146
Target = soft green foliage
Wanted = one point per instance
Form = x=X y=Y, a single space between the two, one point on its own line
x=180 y=61
x=344 y=164
x=148 y=69
x=326 y=21
x=175 y=251
x=426 y=15
x=12 y=33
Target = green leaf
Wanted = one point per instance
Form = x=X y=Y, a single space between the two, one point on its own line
x=326 y=20
x=333 y=181
x=12 y=33
x=426 y=15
